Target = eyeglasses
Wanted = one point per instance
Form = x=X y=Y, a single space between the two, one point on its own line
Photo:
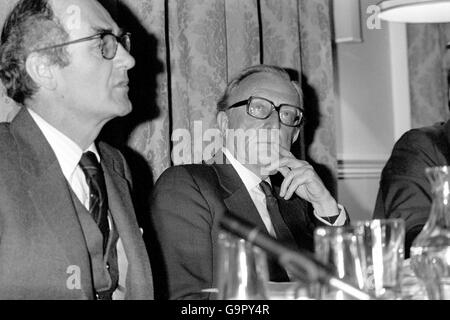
x=109 y=43
x=262 y=108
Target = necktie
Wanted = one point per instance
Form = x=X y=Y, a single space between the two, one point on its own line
x=276 y=272
x=281 y=230
x=98 y=199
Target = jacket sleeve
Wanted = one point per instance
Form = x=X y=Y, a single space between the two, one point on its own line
x=404 y=190
x=183 y=224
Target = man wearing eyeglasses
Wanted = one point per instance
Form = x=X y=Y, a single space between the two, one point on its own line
x=254 y=176
x=67 y=224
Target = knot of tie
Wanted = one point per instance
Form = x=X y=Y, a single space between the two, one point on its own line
x=89 y=164
x=266 y=188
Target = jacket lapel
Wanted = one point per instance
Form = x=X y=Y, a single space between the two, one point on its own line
x=236 y=197
x=49 y=192
x=139 y=281
x=446 y=141
x=238 y=200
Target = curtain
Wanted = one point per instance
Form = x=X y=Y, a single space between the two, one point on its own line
x=187 y=50
x=428 y=73
x=8 y=108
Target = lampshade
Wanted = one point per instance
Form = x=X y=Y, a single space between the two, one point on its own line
x=415 y=11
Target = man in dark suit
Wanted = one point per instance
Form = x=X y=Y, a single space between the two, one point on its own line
x=67 y=223
x=259 y=116
x=404 y=190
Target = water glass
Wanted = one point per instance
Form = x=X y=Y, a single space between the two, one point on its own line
x=382 y=248
x=242 y=270
x=339 y=248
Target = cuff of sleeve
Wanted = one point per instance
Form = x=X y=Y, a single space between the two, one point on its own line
x=340 y=220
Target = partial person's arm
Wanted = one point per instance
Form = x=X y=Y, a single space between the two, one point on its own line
x=404 y=189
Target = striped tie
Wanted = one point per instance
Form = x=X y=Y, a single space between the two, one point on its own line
x=98 y=198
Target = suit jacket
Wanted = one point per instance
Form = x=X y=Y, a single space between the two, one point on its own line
x=188 y=203
x=43 y=253
x=404 y=190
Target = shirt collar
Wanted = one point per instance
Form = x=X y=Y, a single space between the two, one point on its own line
x=67 y=152
x=249 y=179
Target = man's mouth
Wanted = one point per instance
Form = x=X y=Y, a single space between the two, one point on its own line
x=122 y=84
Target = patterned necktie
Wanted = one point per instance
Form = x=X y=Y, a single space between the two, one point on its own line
x=98 y=199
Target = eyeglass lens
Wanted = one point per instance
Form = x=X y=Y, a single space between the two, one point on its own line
x=261 y=109
x=109 y=45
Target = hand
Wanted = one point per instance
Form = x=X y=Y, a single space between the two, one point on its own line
x=301 y=178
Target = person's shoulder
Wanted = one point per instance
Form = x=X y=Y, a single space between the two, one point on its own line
x=188 y=176
x=185 y=171
x=417 y=149
x=6 y=138
x=423 y=136
x=109 y=151
x=432 y=130
x=5 y=130
x=114 y=158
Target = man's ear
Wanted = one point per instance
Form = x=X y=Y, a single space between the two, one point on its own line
x=40 y=70
x=222 y=122
x=296 y=134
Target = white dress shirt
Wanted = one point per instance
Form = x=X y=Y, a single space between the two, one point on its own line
x=68 y=154
x=252 y=181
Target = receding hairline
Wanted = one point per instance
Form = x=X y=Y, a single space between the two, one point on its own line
x=244 y=75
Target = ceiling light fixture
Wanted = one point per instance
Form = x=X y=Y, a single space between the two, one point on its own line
x=415 y=11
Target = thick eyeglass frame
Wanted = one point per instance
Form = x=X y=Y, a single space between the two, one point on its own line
x=274 y=107
x=124 y=40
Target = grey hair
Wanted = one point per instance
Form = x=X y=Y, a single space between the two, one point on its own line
x=30 y=24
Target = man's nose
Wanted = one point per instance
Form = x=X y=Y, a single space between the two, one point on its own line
x=124 y=58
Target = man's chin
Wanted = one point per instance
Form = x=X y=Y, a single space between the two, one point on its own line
x=124 y=108
x=265 y=172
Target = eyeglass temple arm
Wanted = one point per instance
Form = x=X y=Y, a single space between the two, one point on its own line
x=67 y=43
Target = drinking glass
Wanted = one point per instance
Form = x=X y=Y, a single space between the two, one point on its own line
x=382 y=248
x=339 y=248
x=242 y=270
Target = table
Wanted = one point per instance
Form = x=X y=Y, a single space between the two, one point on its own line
x=412 y=288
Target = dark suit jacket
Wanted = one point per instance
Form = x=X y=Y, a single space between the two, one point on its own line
x=41 y=240
x=404 y=189
x=188 y=203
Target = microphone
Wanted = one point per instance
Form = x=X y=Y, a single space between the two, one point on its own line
x=300 y=263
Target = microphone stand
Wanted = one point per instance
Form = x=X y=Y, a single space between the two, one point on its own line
x=302 y=265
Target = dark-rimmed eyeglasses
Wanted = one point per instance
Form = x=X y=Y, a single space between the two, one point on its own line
x=262 y=108
x=109 y=43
